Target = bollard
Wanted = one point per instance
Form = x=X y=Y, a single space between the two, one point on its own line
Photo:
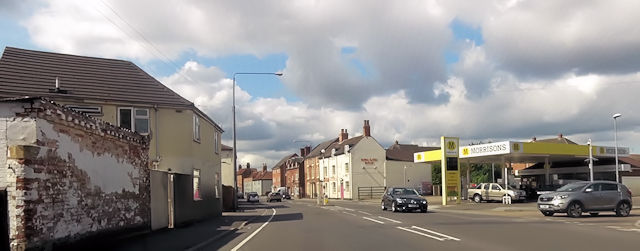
x=506 y=200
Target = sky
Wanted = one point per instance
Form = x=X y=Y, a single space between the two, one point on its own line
x=484 y=71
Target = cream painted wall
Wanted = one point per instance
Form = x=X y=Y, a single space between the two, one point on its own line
x=372 y=174
x=227 y=168
x=416 y=173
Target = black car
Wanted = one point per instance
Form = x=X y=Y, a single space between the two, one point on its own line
x=286 y=195
x=275 y=197
x=403 y=199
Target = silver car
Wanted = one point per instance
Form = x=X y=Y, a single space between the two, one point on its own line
x=584 y=196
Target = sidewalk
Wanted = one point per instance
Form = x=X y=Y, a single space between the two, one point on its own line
x=180 y=238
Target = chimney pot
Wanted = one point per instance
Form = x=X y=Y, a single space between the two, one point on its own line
x=366 y=129
x=560 y=135
x=533 y=139
x=248 y=165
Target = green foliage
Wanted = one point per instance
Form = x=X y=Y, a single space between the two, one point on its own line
x=436 y=174
x=452 y=193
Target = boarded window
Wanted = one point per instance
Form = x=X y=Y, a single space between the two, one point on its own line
x=196 y=184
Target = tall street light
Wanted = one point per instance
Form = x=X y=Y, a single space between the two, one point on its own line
x=235 y=151
x=615 y=139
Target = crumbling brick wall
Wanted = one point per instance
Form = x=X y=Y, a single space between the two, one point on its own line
x=70 y=176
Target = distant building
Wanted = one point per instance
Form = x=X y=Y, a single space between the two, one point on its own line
x=226 y=158
x=294 y=176
x=400 y=170
x=262 y=181
x=312 y=169
x=279 y=171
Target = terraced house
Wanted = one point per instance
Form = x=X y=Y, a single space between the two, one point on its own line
x=184 y=148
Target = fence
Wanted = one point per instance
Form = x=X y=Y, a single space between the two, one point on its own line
x=368 y=193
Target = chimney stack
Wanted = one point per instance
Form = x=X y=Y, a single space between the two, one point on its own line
x=560 y=136
x=344 y=135
x=264 y=167
x=302 y=152
x=239 y=166
x=307 y=150
x=366 y=129
x=533 y=139
x=248 y=165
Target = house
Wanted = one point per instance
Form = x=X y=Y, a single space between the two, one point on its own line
x=226 y=165
x=262 y=181
x=184 y=148
x=294 y=174
x=279 y=171
x=351 y=163
x=312 y=169
x=65 y=176
x=400 y=170
x=244 y=178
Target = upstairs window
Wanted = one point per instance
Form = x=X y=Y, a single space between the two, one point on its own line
x=346 y=168
x=134 y=119
x=196 y=184
x=196 y=128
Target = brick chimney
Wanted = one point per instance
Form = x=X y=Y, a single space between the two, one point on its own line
x=344 y=135
x=307 y=150
x=264 y=167
x=248 y=165
x=560 y=136
x=302 y=152
x=366 y=129
x=533 y=139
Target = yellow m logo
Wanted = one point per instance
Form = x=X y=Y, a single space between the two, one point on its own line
x=451 y=145
x=465 y=151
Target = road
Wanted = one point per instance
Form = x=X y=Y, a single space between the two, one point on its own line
x=348 y=225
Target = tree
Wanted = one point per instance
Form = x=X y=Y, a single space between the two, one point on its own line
x=436 y=174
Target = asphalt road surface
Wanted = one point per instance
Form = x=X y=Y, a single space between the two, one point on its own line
x=348 y=225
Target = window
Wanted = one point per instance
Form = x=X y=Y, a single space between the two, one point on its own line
x=333 y=170
x=216 y=146
x=609 y=187
x=346 y=168
x=325 y=171
x=346 y=186
x=495 y=187
x=196 y=184
x=134 y=119
x=333 y=187
x=486 y=187
x=196 y=128
x=215 y=185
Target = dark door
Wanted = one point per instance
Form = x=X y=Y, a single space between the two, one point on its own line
x=4 y=221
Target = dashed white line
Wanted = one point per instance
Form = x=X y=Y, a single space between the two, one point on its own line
x=254 y=232
x=364 y=213
x=350 y=214
x=614 y=227
x=376 y=221
x=629 y=229
x=434 y=232
x=421 y=233
x=395 y=221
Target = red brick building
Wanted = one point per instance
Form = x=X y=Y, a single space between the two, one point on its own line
x=312 y=169
x=279 y=171
x=244 y=174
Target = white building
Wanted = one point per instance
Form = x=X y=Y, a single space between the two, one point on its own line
x=227 y=165
x=361 y=162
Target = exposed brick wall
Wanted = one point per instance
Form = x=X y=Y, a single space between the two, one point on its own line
x=77 y=178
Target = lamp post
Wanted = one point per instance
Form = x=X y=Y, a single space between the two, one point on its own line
x=615 y=139
x=235 y=151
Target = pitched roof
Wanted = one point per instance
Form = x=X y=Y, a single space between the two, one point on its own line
x=284 y=160
x=33 y=73
x=339 y=146
x=264 y=175
x=633 y=160
x=404 y=152
x=558 y=140
x=318 y=149
x=226 y=148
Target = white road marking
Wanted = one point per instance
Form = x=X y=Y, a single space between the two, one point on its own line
x=637 y=223
x=364 y=213
x=614 y=227
x=348 y=209
x=350 y=214
x=254 y=232
x=377 y=221
x=629 y=229
x=420 y=233
x=395 y=221
x=434 y=232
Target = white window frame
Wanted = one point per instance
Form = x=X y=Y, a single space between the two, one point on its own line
x=134 y=117
x=196 y=128
x=216 y=144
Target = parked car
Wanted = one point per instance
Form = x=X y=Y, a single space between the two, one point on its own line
x=593 y=197
x=240 y=195
x=253 y=197
x=275 y=197
x=495 y=191
x=403 y=199
x=286 y=195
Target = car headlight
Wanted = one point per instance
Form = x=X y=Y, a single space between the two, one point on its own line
x=399 y=200
x=559 y=197
x=424 y=202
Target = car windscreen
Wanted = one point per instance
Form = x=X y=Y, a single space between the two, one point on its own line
x=572 y=187
x=404 y=191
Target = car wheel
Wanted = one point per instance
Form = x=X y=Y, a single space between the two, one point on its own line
x=383 y=207
x=477 y=198
x=594 y=214
x=394 y=208
x=547 y=213
x=574 y=210
x=623 y=209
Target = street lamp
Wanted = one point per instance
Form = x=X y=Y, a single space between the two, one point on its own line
x=235 y=151
x=615 y=139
